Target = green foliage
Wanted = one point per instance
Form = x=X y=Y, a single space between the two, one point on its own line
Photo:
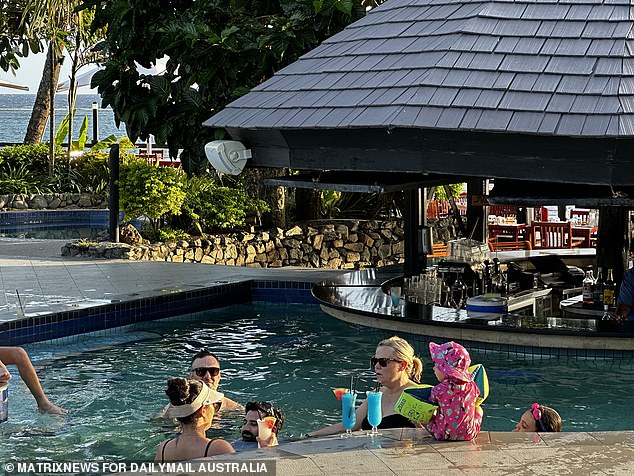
x=80 y=144
x=210 y=206
x=243 y=42
x=33 y=157
x=361 y=205
x=329 y=203
x=150 y=191
x=19 y=179
x=63 y=129
x=24 y=169
x=93 y=171
x=16 y=40
x=107 y=142
x=455 y=188
x=165 y=234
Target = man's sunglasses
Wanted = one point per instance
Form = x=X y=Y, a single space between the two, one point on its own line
x=381 y=361
x=201 y=371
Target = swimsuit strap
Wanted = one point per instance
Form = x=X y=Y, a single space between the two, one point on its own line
x=207 y=447
x=163 y=450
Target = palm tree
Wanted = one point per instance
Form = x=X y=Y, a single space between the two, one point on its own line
x=50 y=20
x=80 y=45
x=65 y=27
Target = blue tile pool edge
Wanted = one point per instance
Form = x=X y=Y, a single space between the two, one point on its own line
x=119 y=314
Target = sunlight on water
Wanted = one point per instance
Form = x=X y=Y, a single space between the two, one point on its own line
x=15 y=112
x=293 y=355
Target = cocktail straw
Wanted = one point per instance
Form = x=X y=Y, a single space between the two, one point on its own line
x=356 y=382
x=19 y=301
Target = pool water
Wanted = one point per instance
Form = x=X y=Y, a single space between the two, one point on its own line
x=289 y=354
x=68 y=231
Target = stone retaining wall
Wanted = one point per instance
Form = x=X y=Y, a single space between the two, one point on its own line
x=52 y=201
x=340 y=245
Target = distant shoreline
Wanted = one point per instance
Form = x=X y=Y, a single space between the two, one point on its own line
x=16 y=108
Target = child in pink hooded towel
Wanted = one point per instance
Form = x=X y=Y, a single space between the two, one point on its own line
x=457 y=417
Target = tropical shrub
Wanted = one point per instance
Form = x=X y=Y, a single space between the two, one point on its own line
x=211 y=207
x=18 y=179
x=454 y=188
x=150 y=191
x=24 y=168
x=164 y=234
x=33 y=157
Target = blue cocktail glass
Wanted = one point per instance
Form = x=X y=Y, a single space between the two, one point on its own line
x=395 y=295
x=374 y=411
x=348 y=412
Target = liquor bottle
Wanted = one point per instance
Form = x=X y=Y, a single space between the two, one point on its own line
x=588 y=288
x=609 y=289
x=599 y=284
x=486 y=278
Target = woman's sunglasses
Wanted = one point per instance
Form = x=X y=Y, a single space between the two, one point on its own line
x=201 y=371
x=381 y=361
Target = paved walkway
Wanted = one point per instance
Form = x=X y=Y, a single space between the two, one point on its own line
x=48 y=283
x=37 y=280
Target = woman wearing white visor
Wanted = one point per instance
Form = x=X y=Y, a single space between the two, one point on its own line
x=193 y=404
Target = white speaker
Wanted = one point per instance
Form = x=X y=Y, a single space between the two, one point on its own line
x=227 y=156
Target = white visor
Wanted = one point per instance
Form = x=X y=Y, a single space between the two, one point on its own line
x=207 y=396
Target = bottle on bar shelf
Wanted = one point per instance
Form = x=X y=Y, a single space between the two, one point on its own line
x=609 y=290
x=599 y=284
x=588 y=287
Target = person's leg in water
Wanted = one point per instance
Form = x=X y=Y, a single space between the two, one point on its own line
x=18 y=356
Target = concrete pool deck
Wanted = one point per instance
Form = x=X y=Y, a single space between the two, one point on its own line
x=45 y=279
x=409 y=451
x=47 y=283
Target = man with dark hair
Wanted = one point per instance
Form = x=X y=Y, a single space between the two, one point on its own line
x=205 y=367
x=253 y=412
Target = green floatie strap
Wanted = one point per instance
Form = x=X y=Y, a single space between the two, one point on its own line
x=413 y=404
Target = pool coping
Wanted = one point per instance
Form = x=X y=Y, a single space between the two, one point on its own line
x=151 y=305
x=407 y=451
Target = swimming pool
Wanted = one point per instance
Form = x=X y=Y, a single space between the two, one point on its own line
x=66 y=231
x=66 y=224
x=289 y=354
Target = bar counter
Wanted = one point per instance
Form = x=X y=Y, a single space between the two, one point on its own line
x=358 y=298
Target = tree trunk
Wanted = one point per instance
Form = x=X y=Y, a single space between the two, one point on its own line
x=41 y=108
x=275 y=197
x=307 y=204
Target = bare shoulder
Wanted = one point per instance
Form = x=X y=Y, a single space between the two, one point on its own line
x=220 y=447
x=159 y=452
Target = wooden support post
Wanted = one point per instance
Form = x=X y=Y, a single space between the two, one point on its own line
x=612 y=240
x=476 y=215
x=411 y=223
x=114 y=194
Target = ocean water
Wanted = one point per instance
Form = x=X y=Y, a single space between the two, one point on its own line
x=15 y=112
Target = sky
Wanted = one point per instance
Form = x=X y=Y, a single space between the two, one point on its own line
x=30 y=74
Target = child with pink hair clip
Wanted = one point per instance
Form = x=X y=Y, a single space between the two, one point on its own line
x=457 y=417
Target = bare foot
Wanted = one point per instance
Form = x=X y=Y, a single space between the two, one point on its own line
x=49 y=407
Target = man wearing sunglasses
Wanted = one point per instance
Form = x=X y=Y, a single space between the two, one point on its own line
x=205 y=367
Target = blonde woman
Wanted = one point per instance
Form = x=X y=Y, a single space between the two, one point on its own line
x=396 y=368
